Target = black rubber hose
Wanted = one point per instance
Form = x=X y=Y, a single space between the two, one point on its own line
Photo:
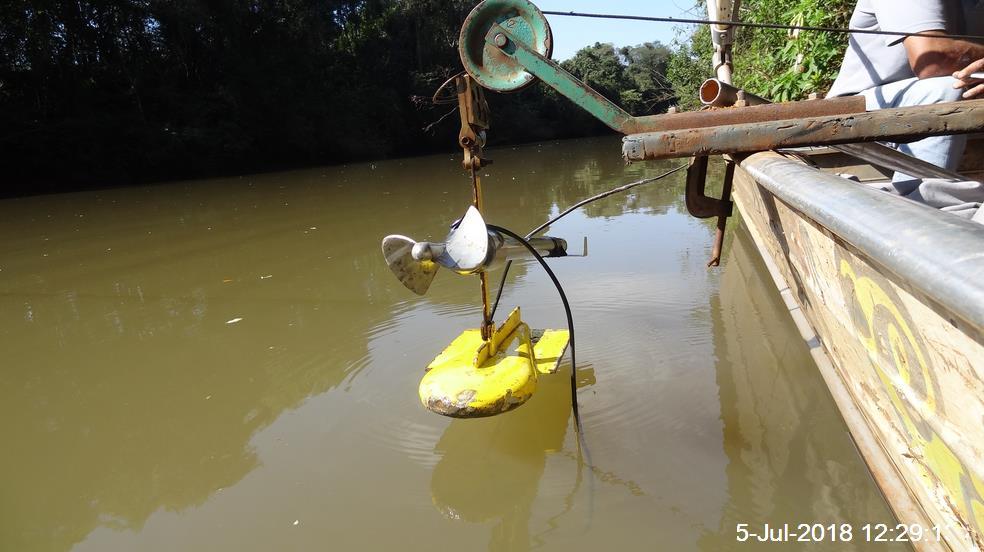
x=567 y=311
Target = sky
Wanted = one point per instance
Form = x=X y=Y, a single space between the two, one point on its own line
x=573 y=33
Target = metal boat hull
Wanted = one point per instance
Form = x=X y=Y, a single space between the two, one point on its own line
x=889 y=295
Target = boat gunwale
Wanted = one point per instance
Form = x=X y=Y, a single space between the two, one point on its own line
x=898 y=234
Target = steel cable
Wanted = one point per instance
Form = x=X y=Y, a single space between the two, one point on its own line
x=758 y=25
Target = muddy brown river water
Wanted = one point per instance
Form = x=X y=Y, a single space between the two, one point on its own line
x=228 y=365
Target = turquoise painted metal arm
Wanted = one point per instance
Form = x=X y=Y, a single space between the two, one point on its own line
x=754 y=128
x=556 y=77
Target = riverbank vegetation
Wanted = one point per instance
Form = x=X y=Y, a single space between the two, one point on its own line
x=99 y=92
x=774 y=64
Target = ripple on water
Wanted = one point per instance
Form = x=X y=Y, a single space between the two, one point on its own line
x=638 y=346
x=642 y=375
x=618 y=411
x=409 y=438
x=399 y=349
x=628 y=296
x=457 y=309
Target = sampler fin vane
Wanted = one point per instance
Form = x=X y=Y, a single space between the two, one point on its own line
x=415 y=263
x=415 y=275
x=469 y=248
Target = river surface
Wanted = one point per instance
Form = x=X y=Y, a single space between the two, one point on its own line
x=228 y=365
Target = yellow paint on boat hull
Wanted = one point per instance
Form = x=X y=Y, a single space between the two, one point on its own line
x=906 y=370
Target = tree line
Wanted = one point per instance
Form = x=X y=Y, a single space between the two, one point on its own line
x=111 y=92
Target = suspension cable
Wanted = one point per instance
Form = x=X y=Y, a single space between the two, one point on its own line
x=613 y=191
x=758 y=25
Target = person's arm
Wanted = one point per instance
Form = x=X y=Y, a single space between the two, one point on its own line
x=931 y=55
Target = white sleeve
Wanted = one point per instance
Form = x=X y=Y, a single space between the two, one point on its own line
x=909 y=16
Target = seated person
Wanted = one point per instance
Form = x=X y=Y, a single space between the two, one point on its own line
x=893 y=71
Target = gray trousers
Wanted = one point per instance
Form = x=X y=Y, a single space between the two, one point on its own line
x=962 y=198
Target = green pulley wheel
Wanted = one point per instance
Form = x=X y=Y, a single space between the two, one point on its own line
x=487 y=64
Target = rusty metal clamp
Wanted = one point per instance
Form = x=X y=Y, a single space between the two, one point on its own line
x=474 y=111
x=700 y=205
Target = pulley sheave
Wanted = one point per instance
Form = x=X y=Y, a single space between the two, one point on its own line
x=489 y=65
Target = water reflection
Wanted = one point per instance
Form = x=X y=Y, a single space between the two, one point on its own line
x=151 y=332
x=791 y=457
x=490 y=469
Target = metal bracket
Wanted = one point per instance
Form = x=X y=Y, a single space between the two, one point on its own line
x=700 y=205
x=722 y=36
x=740 y=130
x=475 y=115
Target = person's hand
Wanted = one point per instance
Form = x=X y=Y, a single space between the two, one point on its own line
x=974 y=87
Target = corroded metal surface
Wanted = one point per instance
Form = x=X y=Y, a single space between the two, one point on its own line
x=716 y=93
x=621 y=121
x=752 y=114
x=899 y=125
x=487 y=63
x=699 y=204
x=502 y=48
x=554 y=76
x=722 y=219
x=893 y=292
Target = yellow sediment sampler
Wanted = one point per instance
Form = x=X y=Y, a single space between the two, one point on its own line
x=474 y=378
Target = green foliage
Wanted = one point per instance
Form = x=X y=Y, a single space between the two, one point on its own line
x=800 y=63
x=689 y=66
x=97 y=92
x=103 y=92
x=775 y=64
x=113 y=91
x=632 y=76
x=646 y=66
x=599 y=67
